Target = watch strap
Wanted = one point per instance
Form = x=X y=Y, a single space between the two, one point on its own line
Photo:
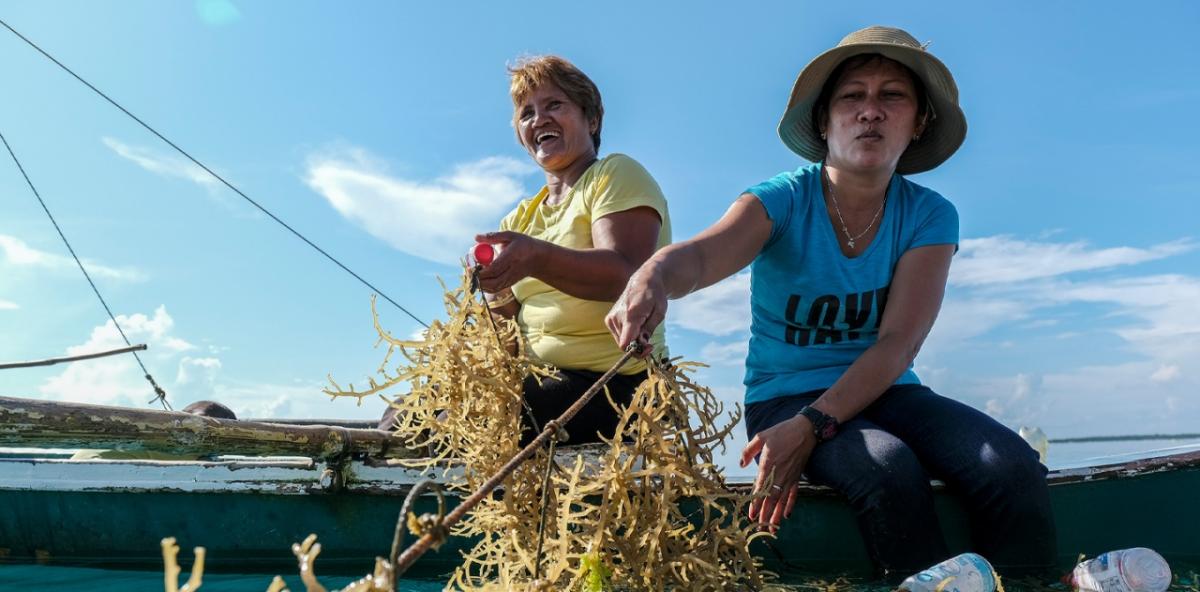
x=825 y=426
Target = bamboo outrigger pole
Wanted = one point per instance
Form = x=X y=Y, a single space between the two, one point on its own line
x=53 y=361
x=27 y=422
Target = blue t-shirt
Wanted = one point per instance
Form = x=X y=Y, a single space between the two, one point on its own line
x=813 y=310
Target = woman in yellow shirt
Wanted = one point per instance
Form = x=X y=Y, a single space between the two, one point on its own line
x=566 y=253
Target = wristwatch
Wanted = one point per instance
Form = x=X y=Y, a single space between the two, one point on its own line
x=824 y=426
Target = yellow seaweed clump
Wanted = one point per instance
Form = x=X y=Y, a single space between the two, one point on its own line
x=381 y=580
x=651 y=512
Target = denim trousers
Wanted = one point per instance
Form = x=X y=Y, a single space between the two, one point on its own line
x=882 y=461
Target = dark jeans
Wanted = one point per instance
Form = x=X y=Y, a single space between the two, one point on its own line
x=550 y=397
x=882 y=461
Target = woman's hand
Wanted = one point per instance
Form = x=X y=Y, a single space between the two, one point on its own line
x=783 y=452
x=641 y=307
x=520 y=257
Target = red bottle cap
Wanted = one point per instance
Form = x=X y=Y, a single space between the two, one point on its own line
x=483 y=253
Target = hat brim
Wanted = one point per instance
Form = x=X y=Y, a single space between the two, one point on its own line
x=941 y=138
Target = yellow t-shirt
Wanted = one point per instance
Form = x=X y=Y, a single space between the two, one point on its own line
x=562 y=330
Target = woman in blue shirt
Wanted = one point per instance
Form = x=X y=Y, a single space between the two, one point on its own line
x=849 y=262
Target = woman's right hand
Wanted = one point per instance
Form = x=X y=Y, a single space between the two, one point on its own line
x=522 y=256
x=641 y=307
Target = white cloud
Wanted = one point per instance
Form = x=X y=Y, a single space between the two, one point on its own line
x=6 y=305
x=197 y=370
x=270 y=400
x=720 y=309
x=1005 y=260
x=994 y=408
x=964 y=317
x=431 y=219
x=165 y=165
x=117 y=380
x=1117 y=399
x=1154 y=317
x=17 y=253
x=732 y=353
x=1165 y=305
x=1165 y=373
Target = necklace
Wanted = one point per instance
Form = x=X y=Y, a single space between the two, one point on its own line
x=850 y=239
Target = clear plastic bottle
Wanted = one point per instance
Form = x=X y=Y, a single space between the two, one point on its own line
x=967 y=573
x=1037 y=440
x=1128 y=570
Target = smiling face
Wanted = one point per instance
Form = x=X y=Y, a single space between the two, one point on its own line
x=553 y=129
x=872 y=116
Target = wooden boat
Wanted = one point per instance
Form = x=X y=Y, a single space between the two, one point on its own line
x=347 y=485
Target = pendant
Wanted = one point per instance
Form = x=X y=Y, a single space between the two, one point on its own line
x=850 y=243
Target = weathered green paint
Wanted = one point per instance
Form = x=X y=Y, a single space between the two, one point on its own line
x=1158 y=510
x=242 y=532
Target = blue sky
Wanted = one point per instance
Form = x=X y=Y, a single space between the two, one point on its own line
x=383 y=134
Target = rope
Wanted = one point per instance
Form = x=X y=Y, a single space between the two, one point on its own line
x=537 y=557
x=211 y=172
x=423 y=544
x=499 y=341
x=159 y=394
x=438 y=530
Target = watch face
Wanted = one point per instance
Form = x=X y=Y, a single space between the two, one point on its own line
x=828 y=431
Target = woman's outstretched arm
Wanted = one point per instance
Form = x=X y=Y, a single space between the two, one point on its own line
x=718 y=252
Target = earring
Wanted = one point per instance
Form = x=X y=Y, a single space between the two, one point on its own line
x=822 y=135
x=916 y=137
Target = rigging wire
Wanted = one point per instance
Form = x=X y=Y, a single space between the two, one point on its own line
x=213 y=173
x=159 y=394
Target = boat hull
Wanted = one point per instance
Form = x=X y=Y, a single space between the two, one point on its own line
x=247 y=516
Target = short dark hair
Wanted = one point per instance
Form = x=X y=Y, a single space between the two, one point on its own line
x=210 y=409
x=821 y=109
x=531 y=72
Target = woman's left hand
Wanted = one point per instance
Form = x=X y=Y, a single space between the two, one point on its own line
x=783 y=452
x=520 y=257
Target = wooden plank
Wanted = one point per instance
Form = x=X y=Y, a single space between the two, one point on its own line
x=27 y=422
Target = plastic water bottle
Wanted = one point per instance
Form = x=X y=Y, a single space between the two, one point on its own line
x=966 y=573
x=1037 y=440
x=1128 y=570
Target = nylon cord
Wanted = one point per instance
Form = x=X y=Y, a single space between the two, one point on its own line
x=159 y=393
x=214 y=174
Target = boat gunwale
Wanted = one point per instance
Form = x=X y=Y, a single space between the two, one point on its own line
x=372 y=476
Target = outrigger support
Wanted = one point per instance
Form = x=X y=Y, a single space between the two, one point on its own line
x=28 y=422
x=53 y=361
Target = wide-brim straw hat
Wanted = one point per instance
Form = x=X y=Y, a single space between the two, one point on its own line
x=943 y=133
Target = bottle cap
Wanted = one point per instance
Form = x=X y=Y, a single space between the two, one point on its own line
x=483 y=253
